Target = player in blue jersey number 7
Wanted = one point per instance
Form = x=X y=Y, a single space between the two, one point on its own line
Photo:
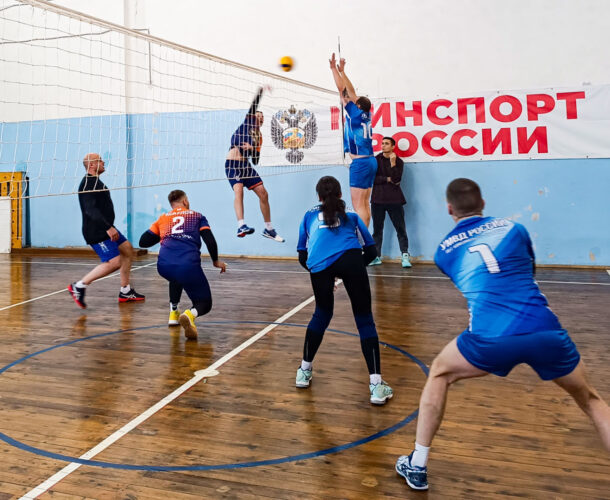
x=491 y=261
x=357 y=141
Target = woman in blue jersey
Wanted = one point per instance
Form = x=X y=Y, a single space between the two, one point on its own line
x=357 y=141
x=329 y=247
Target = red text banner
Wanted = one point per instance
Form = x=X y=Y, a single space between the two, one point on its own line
x=496 y=125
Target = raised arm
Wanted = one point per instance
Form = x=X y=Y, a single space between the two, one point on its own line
x=256 y=101
x=351 y=92
x=341 y=86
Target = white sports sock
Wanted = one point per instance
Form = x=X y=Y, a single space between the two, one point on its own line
x=420 y=455
x=306 y=365
x=173 y=307
x=125 y=289
x=241 y=222
x=80 y=284
x=268 y=226
x=375 y=378
x=194 y=312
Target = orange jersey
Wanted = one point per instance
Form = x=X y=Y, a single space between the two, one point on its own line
x=179 y=233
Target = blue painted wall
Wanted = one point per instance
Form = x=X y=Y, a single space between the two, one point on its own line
x=563 y=203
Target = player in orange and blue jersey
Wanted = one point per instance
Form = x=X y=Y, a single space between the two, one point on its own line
x=180 y=233
x=246 y=142
x=491 y=261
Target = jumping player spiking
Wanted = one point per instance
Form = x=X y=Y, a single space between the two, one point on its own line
x=246 y=143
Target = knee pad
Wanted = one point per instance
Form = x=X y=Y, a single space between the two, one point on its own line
x=320 y=320
x=366 y=326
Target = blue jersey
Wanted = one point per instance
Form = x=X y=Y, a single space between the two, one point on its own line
x=491 y=262
x=326 y=244
x=180 y=239
x=248 y=132
x=358 y=133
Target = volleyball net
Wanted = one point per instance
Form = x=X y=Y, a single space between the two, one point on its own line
x=158 y=113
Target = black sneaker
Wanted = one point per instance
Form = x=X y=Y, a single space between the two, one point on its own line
x=130 y=296
x=78 y=294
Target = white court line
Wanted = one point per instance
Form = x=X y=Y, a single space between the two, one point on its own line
x=199 y=375
x=64 y=289
x=57 y=263
x=407 y=276
x=401 y=276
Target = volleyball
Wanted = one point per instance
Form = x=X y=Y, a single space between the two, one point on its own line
x=286 y=63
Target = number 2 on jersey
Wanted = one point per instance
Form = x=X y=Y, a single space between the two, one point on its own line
x=488 y=257
x=177 y=228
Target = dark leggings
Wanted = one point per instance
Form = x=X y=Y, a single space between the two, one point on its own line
x=175 y=293
x=351 y=269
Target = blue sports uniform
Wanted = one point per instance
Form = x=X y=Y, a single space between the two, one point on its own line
x=180 y=253
x=108 y=250
x=241 y=172
x=358 y=140
x=337 y=252
x=325 y=244
x=491 y=261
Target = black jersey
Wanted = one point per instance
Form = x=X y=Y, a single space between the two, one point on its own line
x=97 y=209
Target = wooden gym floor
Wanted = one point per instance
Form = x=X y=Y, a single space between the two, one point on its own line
x=248 y=433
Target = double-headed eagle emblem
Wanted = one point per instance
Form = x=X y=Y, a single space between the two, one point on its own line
x=293 y=129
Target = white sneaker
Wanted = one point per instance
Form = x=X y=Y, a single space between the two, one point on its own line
x=272 y=235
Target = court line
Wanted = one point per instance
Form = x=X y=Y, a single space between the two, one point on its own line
x=281 y=271
x=199 y=375
x=57 y=263
x=199 y=467
x=64 y=289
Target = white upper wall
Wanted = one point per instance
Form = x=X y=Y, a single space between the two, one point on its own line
x=393 y=48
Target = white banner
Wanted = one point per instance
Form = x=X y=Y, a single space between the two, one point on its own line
x=297 y=134
x=494 y=125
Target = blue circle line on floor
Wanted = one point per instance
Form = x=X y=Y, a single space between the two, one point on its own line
x=238 y=465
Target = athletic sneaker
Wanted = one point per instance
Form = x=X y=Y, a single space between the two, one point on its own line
x=380 y=393
x=243 y=230
x=187 y=321
x=416 y=477
x=272 y=235
x=376 y=262
x=405 y=260
x=174 y=318
x=303 y=377
x=131 y=296
x=78 y=294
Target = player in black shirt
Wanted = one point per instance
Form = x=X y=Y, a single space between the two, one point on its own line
x=114 y=250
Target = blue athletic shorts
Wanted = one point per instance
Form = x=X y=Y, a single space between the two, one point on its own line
x=191 y=278
x=362 y=172
x=241 y=172
x=551 y=354
x=107 y=250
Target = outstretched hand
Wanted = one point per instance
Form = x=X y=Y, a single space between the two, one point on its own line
x=341 y=65
x=267 y=88
x=332 y=61
x=221 y=265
